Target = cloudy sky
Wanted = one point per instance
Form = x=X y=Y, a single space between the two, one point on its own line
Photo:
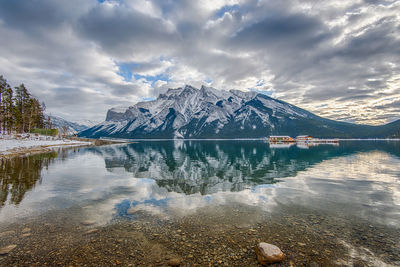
x=339 y=59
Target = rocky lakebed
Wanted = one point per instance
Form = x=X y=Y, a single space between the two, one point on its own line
x=221 y=236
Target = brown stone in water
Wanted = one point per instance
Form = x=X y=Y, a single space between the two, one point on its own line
x=7 y=249
x=7 y=233
x=268 y=253
x=91 y=231
x=88 y=222
x=174 y=262
x=26 y=230
x=131 y=210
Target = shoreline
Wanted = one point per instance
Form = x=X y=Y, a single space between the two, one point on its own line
x=234 y=139
x=84 y=142
x=43 y=146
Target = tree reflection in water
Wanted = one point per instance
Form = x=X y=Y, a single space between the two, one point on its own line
x=18 y=175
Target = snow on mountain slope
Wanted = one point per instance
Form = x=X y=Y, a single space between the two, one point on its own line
x=67 y=126
x=189 y=112
x=87 y=123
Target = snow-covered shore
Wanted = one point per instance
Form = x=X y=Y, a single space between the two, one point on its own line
x=10 y=144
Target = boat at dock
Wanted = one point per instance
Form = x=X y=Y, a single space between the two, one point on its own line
x=310 y=139
x=281 y=139
x=302 y=141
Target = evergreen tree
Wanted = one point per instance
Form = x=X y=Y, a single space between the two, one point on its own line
x=8 y=105
x=20 y=113
x=22 y=101
x=49 y=123
x=3 y=83
x=36 y=115
x=3 y=86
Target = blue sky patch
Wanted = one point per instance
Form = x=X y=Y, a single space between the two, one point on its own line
x=125 y=70
x=220 y=13
x=152 y=79
x=147 y=99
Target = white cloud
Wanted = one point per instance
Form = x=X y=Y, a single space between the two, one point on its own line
x=305 y=52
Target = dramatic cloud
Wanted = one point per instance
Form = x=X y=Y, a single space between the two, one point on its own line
x=338 y=59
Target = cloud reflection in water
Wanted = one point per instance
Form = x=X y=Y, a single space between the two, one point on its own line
x=178 y=178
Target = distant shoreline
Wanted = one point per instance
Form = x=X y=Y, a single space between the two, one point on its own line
x=21 y=146
x=84 y=142
x=233 y=139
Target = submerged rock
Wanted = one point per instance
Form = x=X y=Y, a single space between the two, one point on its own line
x=88 y=222
x=174 y=262
x=131 y=210
x=26 y=230
x=7 y=233
x=91 y=231
x=268 y=253
x=7 y=249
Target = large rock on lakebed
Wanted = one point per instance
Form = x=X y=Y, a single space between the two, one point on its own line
x=7 y=249
x=268 y=253
x=174 y=262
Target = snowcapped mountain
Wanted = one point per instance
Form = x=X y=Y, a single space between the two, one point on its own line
x=210 y=113
x=67 y=126
x=86 y=123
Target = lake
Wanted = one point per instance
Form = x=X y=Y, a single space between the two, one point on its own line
x=207 y=203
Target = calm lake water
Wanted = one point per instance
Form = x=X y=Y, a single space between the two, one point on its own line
x=205 y=202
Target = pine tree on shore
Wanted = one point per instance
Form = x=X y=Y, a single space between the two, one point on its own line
x=8 y=105
x=20 y=113
x=2 y=88
x=22 y=101
x=36 y=114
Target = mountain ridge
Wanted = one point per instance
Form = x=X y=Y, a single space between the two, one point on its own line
x=191 y=113
x=65 y=126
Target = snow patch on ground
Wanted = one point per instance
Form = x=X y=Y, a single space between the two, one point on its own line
x=25 y=141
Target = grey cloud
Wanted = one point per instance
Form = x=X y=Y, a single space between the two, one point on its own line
x=123 y=90
x=32 y=14
x=35 y=16
x=69 y=96
x=375 y=84
x=304 y=55
x=393 y=105
x=378 y=39
x=355 y=97
x=299 y=50
x=73 y=102
x=285 y=30
x=122 y=32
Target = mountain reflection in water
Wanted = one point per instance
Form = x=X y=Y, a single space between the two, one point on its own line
x=341 y=201
x=207 y=167
x=169 y=177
